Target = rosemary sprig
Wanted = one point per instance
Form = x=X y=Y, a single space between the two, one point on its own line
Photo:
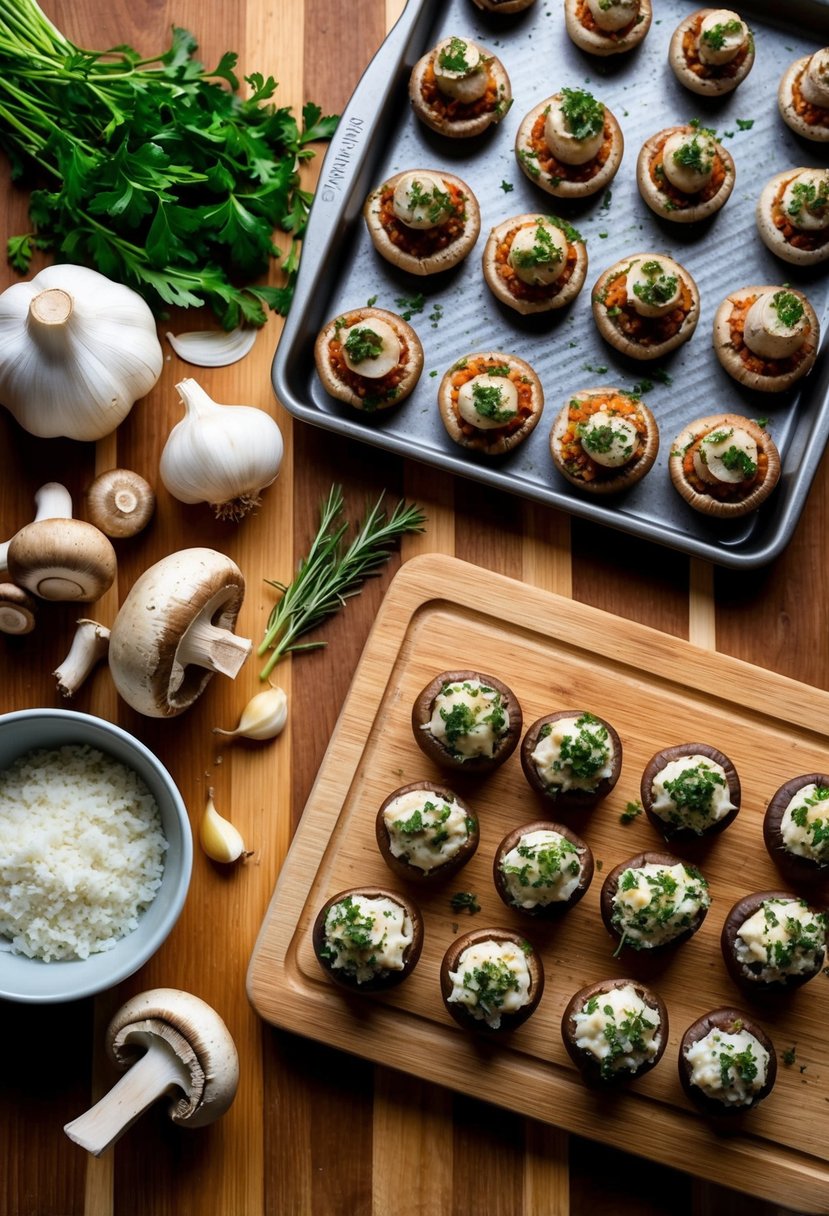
x=330 y=573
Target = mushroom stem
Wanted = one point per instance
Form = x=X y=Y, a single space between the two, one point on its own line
x=52 y=501
x=4 y=559
x=206 y=645
x=160 y=1069
x=89 y=645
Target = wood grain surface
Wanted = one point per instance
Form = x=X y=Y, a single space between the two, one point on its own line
x=314 y=1130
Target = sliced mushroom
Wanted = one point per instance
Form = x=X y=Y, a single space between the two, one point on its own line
x=169 y=1040
x=120 y=502
x=175 y=630
x=89 y=645
x=57 y=557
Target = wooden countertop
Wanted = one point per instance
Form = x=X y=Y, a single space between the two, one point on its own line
x=313 y=1130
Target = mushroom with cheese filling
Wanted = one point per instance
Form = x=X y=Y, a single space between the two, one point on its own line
x=724 y=465
x=459 y=88
x=711 y=51
x=646 y=305
x=690 y=790
x=570 y=144
x=727 y=1062
x=796 y=828
x=368 y=357
x=654 y=901
x=803 y=96
x=491 y=979
x=684 y=173
x=766 y=337
x=773 y=941
x=573 y=757
x=368 y=939
x=423 y=220
x=467 y=720
x=607 y=27
x=604 y=440
x=793 y=216
x=542 y=869
x=490 y=402
x=425 y=832
x=615 y=1030
x=535 y=263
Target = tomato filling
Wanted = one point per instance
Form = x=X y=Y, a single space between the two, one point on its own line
x=479 y=367
x=722 y=491
x=575 y=459
x=423 y=242
x=758 y=363
x=709 y=71
x=796 y=237
x=586 y=18
x=372 y=391
x=527 y=291
x=451 y=109
x=556 y=169
x=678 y=200
x=645 y=331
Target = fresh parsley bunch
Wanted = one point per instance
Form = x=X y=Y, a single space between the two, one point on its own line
x=154 y=171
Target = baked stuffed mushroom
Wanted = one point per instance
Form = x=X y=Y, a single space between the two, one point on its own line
x=542 y=869
x=368 y=939
x=572 y=757
x=604 y=440
x=607 y=27
x=727 y=1063
x=535 y=263
x=615 y=1030
x=773 y=941
x=690 y=790
x=459 y=88
x=684 y=174
x=654 y=901
x=646 y=305
x=491 y=979
x=793 y=216
x=570 y=144
x=711 y=51
x=724 y=465
x=425 y=832
x=796 y=828
x=490 y=402
x=803 y=96
x=423 y=221
x=369 y=358
x=465 y=720
x=766 y=337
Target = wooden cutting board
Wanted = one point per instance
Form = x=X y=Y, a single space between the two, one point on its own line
x=657 y=690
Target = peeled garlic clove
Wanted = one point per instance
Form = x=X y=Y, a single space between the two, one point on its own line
x=220 y=840
x=263 y=717
x=212 y=347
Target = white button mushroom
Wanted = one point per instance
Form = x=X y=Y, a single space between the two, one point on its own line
x=57 y=557
x=169 y=1041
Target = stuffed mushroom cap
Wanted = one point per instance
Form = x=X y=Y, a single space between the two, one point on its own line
x=425 y=832
x=614 y=29
x=796 y=828
x=467 y=721
x=690 y=790
x=727 y=1063
x=570 y=144
x=615 y=1030
x=793 y=216
x=491 y=980
x=766 y=337
x=803 y=96
x=423 y=220
x=368 y=939
x=572 y=757
x=724 y=465
x=684 y=173
x=459 y=88
x=535 y=263
x=711 y=51
x=654 y=901
x=646 y=305
x=542 y=869
x=604 y=440
x=490 y=402
x=369 y=358
x=773 y=941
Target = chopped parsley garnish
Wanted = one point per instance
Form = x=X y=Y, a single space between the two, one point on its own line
x=363 y=343
x=545 y=252
x=660 y=287
x=805 y=196
x=583 y=115
x=789 y=1056
x=695 y=154
x=788 y=307
x=437 y=203
x=491 y=982
x=817 y=828
x=631 y=811
x=745 y=124
x=601 y=439
x=716 y=36
x=551 y=859
x=452 y=58
x=488 y=402
x=733 y=1065
x=465 y=901
x=693 y=790
x=587 y=751
x=459 y=720
x=735 y=458
x=507 y=187
x=410 y=305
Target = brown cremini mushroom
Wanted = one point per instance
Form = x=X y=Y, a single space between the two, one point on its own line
x=542 y=869
x=175 y=630
x=727 y=1062
x=120 y=503
x=57 y=557
x=615 y=1030
x=17 y=610
x=491 y=980
x=169 y=1041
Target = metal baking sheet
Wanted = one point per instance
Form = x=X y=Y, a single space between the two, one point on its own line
x=379 y=135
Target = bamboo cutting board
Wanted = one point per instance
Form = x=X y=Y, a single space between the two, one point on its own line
x=657 y=690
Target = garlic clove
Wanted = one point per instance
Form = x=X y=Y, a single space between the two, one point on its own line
x=212 y=347
x=263 y=717
x=218 y=837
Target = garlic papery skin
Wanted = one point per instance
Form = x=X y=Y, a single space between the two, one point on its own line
x=76 y=352
x=221 y=454
x=218 y=837
x=213 y=347
x=263 y=717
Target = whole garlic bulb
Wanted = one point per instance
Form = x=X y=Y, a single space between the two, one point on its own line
x=221 y=454
x=76 y=352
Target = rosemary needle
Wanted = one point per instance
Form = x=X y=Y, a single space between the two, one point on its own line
x=332 y=572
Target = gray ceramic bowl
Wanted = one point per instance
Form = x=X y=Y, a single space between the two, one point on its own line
x=33 y=981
